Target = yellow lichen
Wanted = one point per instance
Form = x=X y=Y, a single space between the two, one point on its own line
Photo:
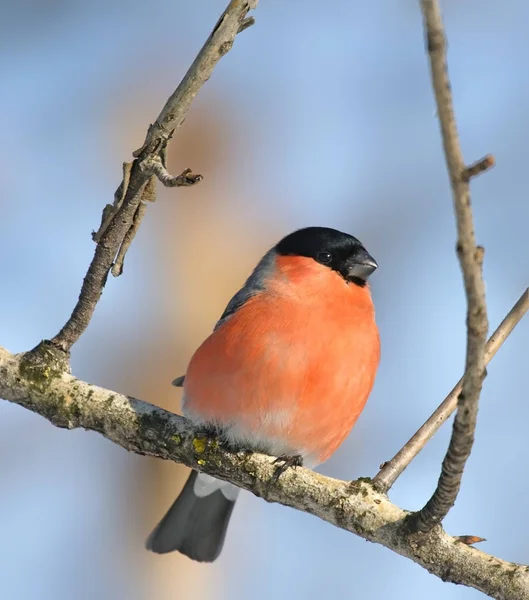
x=199 y=444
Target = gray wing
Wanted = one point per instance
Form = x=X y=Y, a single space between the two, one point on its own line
x=253 y=285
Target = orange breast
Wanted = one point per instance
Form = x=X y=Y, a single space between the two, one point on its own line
x=293 y=368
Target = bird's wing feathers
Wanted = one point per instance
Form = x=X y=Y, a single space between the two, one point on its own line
x=253 y=285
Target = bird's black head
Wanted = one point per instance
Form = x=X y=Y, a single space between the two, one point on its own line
x=339 y=251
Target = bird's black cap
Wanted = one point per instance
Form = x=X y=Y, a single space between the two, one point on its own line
x=339 y=251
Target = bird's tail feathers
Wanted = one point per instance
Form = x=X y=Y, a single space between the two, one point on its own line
x=196 y=523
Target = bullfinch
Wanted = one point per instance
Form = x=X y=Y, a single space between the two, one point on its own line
x=286 y=371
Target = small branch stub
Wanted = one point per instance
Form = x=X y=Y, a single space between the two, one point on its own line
x=480 y=166
x=470 y=540
x=248 y=22
x=154 y=166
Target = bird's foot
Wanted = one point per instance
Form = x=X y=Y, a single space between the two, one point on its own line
x=287 y=461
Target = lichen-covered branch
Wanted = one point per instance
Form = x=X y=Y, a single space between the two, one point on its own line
x=471 y=261
x=38 y=382
x=392 y=469
x=122 y=218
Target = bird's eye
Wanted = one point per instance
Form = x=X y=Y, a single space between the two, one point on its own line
x=324 y=257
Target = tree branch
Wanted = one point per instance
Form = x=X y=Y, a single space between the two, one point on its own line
x=121 y=220
x=391 y=470
x=38 y=382
x=471 y=260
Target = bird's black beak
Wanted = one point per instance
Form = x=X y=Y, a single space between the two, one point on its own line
x=361 y=265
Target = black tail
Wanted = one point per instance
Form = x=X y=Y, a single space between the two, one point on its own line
x=194 y=526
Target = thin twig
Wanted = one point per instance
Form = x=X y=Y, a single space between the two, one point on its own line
x=471 y=260
x=392 y=469
x=42 y=387
x=218 y=44
x=119 y=218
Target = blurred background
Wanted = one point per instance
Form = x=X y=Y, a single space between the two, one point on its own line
x=322 y=114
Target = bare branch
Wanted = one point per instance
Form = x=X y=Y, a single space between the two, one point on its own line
x=38 y=382
x=121 y=220
x=391 y=470
x=217 y=45
x=471 y=260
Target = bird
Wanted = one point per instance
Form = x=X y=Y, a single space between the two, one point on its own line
x=286 y=371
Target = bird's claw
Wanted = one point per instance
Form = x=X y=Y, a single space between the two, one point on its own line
x=287 y=461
